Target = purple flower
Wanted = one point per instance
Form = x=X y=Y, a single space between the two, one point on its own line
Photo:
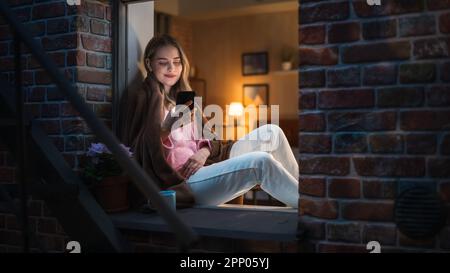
x=98 y=148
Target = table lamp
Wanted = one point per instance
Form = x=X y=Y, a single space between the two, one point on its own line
x=236 y=110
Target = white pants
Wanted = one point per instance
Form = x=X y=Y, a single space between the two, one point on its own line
x=263 y=157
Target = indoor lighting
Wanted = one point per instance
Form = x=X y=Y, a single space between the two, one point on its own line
x=236 y=109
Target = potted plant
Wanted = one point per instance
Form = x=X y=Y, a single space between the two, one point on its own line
x=106 y=179
x=287 y=57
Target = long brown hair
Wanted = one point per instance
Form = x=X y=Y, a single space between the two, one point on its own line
x=183 y=83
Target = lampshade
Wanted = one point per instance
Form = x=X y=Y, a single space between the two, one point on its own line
x=236 y=109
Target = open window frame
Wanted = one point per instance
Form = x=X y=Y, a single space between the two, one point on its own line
x=123 y=51
x=258 y=222
x=121 y=64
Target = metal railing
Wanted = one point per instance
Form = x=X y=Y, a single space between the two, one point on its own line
x=184 y=234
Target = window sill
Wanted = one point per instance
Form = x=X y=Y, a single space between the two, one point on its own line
x=226 y=221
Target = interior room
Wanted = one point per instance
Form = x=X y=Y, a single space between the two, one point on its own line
x=241 y=53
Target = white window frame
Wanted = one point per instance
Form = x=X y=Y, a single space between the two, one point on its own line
x=128 y=47
x=128 y=69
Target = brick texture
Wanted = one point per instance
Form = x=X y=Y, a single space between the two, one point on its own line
x=377 y=87
x=312 y=35
x=75 y=38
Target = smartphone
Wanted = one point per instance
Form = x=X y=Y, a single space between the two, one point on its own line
x=185 y=96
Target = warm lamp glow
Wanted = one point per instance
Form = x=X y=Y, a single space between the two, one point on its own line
x=236 y=109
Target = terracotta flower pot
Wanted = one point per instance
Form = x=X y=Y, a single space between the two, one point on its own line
x=112 y=193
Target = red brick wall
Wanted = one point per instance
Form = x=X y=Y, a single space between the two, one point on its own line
x=374 y=102
x=78 y=39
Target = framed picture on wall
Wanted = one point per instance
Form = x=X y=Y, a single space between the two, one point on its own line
x=256 y=63
x=256 y=94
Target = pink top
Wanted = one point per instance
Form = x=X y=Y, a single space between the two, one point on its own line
x=180 y=145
